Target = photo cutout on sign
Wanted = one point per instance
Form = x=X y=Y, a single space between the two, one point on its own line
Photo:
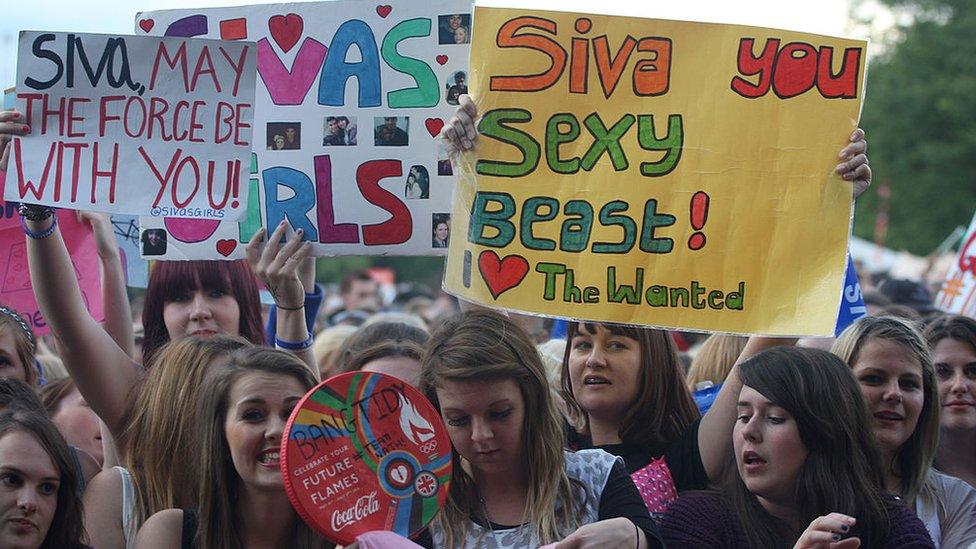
x=154 y=242
x=443 y=161
x=440 y=230
x=454 y=28
x=284 y=136
x=418 y=183
x=339 y=131
x=391 y=131
x=457 y=85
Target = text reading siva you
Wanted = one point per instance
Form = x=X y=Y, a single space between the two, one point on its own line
x=561 y=284
x=788 y=70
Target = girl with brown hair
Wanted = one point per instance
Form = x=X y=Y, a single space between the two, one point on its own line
x=893 y=367
x=40 y=501
x=513 y=484
x=242 y=406
x=805 y=467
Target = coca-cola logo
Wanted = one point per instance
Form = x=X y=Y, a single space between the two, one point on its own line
x=364 y=507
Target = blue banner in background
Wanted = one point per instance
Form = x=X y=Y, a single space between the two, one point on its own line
x=126 y=228
x=852 y=302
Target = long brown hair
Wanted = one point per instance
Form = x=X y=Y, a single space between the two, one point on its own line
x=159 y=430
x=484 y=345
x=915 y=457
x=219 y=485
x=664 y=407
x=67 y=529
x=841 y=471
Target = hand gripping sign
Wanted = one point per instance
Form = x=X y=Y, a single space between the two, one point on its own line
x=362 y=452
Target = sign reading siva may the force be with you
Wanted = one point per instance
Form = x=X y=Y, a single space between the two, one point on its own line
x=350 y=97
x=663 y=173
x=137 y=125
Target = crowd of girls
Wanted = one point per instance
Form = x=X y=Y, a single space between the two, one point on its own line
x=175 y=443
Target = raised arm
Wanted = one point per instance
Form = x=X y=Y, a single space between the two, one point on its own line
x=278 y=266
x=104 y=373
x=715 y=432
x=115 y=299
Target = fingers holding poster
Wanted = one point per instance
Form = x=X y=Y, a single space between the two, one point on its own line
x=653 y=172
x=138 y=125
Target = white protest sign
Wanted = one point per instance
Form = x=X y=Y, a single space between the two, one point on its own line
x=134 y=124
x=350 y=98
x=958 y=292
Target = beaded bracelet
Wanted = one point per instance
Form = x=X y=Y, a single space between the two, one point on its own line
x=34 y=212
x=38 y=235
x=294 y=346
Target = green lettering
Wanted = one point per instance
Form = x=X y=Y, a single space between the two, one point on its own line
x=657 y=296
x=591 y=295
x=493 y=125
x=713 y=296
x=555 y=138
x=617 y=294
x=734 y=299
x=606 y=140
x=427 y=91
x=671 y=144
x=550 y=270
x=697 y=300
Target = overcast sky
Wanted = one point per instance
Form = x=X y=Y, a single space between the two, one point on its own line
x=106 y=16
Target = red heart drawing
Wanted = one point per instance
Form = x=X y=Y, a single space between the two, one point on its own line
x=286 y=30
x=434 y=126
x=146 y=24
x=501 y=275
x=226 y=247
x=384 y=10
x=441 y=59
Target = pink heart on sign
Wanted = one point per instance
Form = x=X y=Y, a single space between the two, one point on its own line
x=441 y=59
x=434 y=126
x=146 y=24
x=384 y=10
x=226 y=247
x=286 y=30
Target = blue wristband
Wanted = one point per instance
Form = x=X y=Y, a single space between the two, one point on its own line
x=40 y=234
x=294 y=346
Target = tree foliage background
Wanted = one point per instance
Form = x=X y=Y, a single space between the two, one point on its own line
x=920 y=117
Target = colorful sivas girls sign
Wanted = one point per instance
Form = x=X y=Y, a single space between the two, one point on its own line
x=362 y=452
x=133 y=124
x=350 y=99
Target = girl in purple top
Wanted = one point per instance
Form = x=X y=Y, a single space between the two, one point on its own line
x=806 y=472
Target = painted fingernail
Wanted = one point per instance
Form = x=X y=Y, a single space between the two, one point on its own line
x=845 y=527
x=26 y=129
x=299 y=232
x=836 y=537
x=848 y=176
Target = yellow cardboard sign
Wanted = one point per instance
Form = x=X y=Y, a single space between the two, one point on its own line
x=663 y=173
